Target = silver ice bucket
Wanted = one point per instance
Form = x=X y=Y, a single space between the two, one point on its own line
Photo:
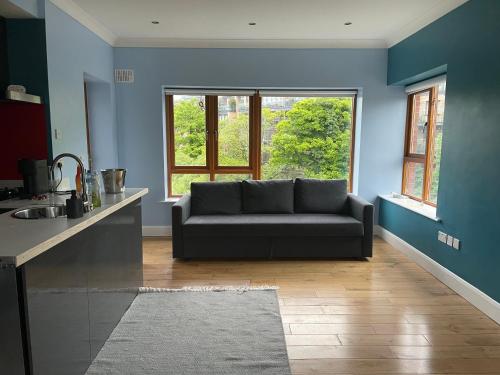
x=114 y=180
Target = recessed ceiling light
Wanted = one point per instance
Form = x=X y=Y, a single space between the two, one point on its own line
x=155 y=22
x=348 y=23
x=252 y=23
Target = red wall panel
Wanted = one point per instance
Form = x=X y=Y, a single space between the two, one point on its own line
x=23 y=135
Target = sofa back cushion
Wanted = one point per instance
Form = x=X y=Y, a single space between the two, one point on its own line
x=320 y=196
x=272 y=196
x=215 y=198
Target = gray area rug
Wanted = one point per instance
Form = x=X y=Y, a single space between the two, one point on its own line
x=222 y=332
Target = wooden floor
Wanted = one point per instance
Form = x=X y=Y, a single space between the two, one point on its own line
x=382 y=316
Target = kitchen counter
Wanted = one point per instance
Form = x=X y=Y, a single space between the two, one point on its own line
x=22 y=240
x=66 y=283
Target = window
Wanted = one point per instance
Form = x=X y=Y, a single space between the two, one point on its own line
x=189 y=137
x=306 y=137
x=424 y=132
x=237 y=135
x=209 y=138
x=233 y=134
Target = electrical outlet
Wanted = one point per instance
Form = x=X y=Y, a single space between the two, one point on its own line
x=456 y=243
x=442 y=237
x=449 y=240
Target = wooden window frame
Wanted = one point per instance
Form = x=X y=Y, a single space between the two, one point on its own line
x=211 y=130
x=353 y=141
x=211 y=168
x=426 y=158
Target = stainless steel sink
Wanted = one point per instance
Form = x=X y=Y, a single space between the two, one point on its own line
x=40 y=212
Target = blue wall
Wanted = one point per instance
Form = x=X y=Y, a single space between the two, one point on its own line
x=467 y=42
x=73 y=53
x=140 y=105
x=103 y=138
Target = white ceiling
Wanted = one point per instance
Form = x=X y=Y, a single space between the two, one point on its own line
x=285 y=23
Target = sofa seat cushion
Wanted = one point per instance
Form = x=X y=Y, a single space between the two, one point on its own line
x=273 y=225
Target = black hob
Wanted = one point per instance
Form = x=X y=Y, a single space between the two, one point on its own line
x=6 y=193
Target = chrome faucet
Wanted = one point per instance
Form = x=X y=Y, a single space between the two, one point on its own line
x=86 y=204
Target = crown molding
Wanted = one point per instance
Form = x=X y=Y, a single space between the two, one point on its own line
x=439 y=10
x=73 y=10
x=249 y=43
x=85 y=19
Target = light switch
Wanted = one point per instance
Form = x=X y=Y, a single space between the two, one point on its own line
x=442 y=237
x=449 y=240
x=58 y=134
x=456 y=243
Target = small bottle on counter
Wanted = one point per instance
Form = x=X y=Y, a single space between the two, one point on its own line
x=78 y=181
x=94 y=189
x=74 y=206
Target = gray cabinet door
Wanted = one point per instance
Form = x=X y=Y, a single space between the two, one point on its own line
x=77 y=292
x=57 y=305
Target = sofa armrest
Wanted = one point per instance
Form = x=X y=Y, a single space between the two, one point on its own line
x=362 y=210
x=181 y=211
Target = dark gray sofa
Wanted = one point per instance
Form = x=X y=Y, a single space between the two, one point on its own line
x=272 y=219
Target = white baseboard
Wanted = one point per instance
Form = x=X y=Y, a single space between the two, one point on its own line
x=156 y=231
x=476 y=297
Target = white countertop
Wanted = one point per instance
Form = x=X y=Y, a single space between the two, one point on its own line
x=22 y=240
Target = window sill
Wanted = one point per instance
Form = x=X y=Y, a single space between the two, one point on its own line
x=412 y=205
x=170 y=200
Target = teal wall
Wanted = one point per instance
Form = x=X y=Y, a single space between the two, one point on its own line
x=27 y=55
x=466 y=42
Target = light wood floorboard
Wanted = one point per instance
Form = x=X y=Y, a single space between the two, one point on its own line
x=385 y=315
